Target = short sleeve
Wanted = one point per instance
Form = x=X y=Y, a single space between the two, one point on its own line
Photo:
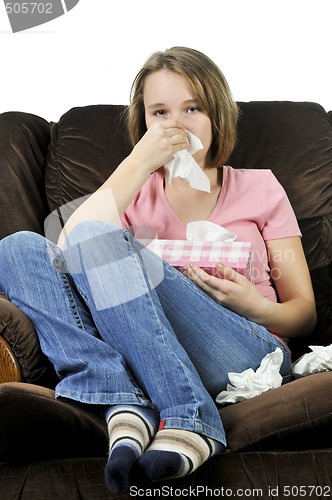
x=280 y=220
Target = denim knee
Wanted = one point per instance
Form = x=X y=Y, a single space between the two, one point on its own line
x=14 y=244
x=87 y=230
x=15 y=251
x=91 y=244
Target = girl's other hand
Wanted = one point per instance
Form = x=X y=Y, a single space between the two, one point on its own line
x=231 y=289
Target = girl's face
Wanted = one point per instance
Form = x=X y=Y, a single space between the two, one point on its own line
x=168 y=95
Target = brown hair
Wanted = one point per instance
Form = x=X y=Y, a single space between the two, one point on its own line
x=208 y=84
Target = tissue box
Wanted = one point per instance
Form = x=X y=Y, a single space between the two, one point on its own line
x=206 y=254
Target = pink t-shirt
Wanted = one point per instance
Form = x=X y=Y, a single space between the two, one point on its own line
x=252 y=203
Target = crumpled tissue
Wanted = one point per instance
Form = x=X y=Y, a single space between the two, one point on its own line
x=250 y=383
x=319 y=360
x=183 y=165
x=204 y=230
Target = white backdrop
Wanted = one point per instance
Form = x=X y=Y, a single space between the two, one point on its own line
x=268 y=50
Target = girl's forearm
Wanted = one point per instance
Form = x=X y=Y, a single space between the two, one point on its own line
x=296 y=317
x=109 y=202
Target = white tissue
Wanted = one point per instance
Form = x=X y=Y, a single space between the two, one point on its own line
x=251 y=383
x=319 y=360
x=204 y=230
x=183 y=165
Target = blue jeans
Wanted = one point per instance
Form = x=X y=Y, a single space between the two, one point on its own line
x=123 y=327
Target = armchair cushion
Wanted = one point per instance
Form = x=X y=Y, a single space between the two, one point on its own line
x=296 y=416
x=50 y=428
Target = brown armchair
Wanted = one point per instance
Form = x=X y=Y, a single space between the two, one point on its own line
x=277 y=441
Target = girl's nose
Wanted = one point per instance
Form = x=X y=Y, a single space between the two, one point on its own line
x=175 y=115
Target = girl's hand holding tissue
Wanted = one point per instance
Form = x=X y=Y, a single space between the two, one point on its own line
x=231 y=289
x=159 y=144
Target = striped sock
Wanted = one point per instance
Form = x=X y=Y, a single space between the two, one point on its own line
x=174 y=453
x=131 y=429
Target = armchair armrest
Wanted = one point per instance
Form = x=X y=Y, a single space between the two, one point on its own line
x=21 y=358
x=24 y=140
x=10 y=370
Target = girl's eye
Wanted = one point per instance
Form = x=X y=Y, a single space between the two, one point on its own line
x=159 y=112
x=192 y=109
